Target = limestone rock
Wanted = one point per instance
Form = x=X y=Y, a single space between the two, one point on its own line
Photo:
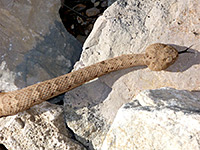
x=129 y=26
x=81 y=115
x=34 y=44
x=40 y=127
x=157 y=119
x=7 y=78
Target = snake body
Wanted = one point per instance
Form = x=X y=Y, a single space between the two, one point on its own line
x=157 y=57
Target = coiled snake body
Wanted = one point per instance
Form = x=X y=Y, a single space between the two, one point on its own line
x=157 y=57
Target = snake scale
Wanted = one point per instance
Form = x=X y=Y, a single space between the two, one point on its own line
x=157 y=57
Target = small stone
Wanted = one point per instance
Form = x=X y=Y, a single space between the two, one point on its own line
x=93 y=1
x=81 y=38
x=92 y=12
x=88 y=29
x=72 y=26
x=90 y=26
x=79 y=20
x=104 y=4
x=79 y=7
x=87 y=32
x=96 y=4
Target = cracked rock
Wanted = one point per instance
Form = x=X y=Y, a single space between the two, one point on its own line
x=40 y=127
x=129 y=26
x=160 y=119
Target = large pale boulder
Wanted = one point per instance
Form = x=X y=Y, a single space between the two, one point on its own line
x=157 y=119
x=34 y=44
x=40 y=127
x=129 y=26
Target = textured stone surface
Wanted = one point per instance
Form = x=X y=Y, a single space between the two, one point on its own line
x=7 y=78
x=82 y=116
x=41 y=127
x=34 y=46
x=129 y=26
x=157 y=119
x=33 y=42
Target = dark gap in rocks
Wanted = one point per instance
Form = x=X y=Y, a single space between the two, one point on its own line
x=71 y=132
x=78 y=16
x=73 y=137
x=58 y=100
x=2 y=147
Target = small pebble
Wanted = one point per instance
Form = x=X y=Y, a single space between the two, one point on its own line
x=72 y=26
x=79 y=7
x=104 y=4
x=90 y=26
x=92 y=12
x=96 y=4
x=79 y=20
x=93 y=1
x=81 y=38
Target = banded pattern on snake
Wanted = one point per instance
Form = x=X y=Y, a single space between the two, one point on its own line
x=157 y=57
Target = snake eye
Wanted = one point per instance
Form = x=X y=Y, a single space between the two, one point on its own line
x=169 y=59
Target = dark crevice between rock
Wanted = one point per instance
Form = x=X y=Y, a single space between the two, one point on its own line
x=73 y=137
x=58 y=100
x=78 y=21
x=2 y=147
x=78 y=16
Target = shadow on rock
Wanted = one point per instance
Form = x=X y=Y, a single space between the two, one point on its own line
x=185 y=60
x=53 y=56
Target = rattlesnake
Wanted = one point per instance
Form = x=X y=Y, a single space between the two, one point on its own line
x=157 y=57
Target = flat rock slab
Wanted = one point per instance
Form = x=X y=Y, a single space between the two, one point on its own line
x=34 y=45
x=129 y=26
x=157 y=119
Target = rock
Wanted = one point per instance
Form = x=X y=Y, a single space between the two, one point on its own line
x=34 y=43
x=77 y=17
x=80 y=20
x=40 y=127
x=129 y=27
x=34 y=46
x=104 y=4
x=92 y=11
x=79 y=7
x=81 y=38
x=7 y=78
x=93 y=1
x=78 y=109
x=157 y=119
x=96 y=4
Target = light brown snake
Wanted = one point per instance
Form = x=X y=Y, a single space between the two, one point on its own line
x=157 y=57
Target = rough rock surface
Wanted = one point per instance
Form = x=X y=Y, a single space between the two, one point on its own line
x=34 y=44
x=157 y=119
x=128 y=26
x=40 y=127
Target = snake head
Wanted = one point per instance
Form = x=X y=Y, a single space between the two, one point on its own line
x=160 y=56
